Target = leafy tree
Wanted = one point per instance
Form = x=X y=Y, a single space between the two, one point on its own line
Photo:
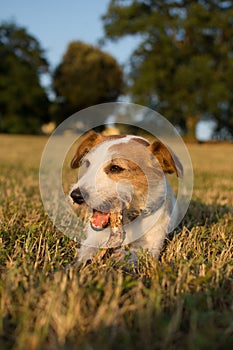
x=23 y=102
x=183 y=66
x=86 y=76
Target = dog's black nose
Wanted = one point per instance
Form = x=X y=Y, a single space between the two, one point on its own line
x=78 y=196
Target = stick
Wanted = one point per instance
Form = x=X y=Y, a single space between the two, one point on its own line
x=117 y=233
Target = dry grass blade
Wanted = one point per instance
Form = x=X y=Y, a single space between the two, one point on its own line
x=182 y=301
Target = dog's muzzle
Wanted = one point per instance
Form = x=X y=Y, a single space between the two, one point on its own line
x=100 y=218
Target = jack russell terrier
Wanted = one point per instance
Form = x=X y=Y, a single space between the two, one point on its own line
x=123 y=184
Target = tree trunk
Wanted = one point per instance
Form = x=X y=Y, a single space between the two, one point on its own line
x=191 y=122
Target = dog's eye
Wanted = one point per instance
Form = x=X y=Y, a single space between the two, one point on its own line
x=115 y=169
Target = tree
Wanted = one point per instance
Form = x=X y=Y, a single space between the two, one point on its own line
x=86 y=76
x=23 y=102
x=183 y=66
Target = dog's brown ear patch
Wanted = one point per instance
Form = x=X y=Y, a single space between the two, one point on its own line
x=167 y=159
x=89 y=141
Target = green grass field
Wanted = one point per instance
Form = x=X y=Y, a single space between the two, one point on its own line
x=182 y=301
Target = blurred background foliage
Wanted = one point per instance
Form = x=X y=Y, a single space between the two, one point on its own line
x=24 y=104
x=85 y=77
x=182 y=68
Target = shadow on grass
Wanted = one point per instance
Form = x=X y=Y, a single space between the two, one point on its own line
x=200 y=214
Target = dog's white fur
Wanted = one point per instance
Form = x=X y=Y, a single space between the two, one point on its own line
x=140 y=187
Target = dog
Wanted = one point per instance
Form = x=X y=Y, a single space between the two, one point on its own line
x=125 y=175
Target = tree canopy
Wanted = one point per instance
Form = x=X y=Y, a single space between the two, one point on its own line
x=23 y=101
x=183 y=66
x=86 y=76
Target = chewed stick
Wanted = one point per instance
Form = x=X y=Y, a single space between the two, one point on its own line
x=117 y=233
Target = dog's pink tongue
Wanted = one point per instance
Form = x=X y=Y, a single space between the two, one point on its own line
x=99 y=220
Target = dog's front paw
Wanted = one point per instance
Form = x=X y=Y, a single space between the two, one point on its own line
x=86 y=254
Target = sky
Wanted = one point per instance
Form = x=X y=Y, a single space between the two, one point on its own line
x=57 y=22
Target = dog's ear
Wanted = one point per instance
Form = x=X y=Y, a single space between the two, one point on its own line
x=167 y=159
x=90 y=140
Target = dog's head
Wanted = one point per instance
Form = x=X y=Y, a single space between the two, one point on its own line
x=121 y=173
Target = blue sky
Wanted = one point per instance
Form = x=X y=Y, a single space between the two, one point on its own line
x=57 y=22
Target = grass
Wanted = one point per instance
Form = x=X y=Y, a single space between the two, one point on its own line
x=182 y=301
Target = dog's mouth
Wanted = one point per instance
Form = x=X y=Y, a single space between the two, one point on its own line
x=99 y=220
